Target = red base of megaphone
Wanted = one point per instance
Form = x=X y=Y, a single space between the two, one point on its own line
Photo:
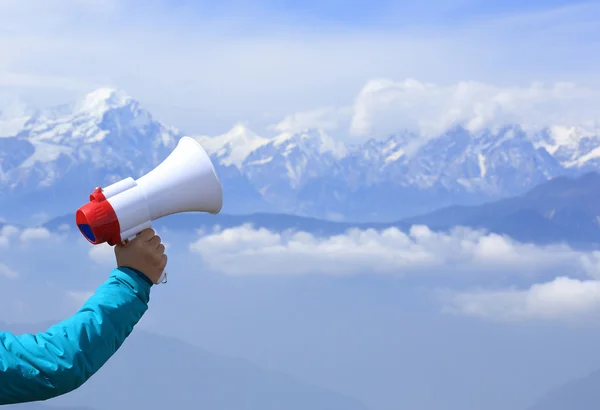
x=98 y=221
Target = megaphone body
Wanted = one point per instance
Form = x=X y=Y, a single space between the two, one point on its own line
x=185 y=181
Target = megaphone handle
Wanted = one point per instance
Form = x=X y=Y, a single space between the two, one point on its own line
x=163 y=275
x=131 y=238
x=163 y=278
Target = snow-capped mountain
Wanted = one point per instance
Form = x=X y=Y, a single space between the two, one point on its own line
x=50 y=160
x=59 y=154
x=573 y=147
x=106 y=131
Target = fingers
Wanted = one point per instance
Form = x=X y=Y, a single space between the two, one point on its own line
x=161 y=248
x=146 y=234
x=154 y=242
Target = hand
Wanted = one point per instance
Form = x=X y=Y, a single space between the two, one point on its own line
x=145 y=253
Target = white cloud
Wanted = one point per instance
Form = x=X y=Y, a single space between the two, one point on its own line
x=7 y=272
x=103 y=255
x=248 y=251
x=9 y=231
x=13 y=116
x=561 y=299
x=328 y=119
x=11 y=235
x=385 y=106
x=6 y=233
x=34 y=234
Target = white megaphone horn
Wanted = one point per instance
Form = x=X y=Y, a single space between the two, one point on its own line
x=186 y=181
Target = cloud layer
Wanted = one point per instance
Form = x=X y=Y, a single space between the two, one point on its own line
x=246 y=250
x=569 y=288
x=563 y=298
x=384 y=106
x=10 y=234
x=421 y=252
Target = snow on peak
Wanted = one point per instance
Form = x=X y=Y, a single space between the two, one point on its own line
x=234 y=146
x=567 y=136
x=319 y=138
x=240 y=132
x=101 y=100
x=61 y=129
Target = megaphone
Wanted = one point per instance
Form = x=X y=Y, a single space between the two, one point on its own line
x=186 y=181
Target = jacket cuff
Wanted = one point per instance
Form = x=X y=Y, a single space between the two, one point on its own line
x=138 y=282
x=141 y=275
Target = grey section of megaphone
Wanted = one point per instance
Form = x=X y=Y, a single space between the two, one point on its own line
x=186 y=181
x=118 y=187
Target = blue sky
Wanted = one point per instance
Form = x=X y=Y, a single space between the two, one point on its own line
x=202 y=66
x=354 y=14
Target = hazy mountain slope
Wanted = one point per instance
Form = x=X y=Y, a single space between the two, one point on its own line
x=42 y=406
x=155 y=372
x=560 y=210
x=580 y=394
x=563 y=209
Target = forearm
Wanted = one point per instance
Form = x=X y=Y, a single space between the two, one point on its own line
x=49 y=364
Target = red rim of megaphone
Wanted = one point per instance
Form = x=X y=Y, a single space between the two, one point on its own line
x=97 y=220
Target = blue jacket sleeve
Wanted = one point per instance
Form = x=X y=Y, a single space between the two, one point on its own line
x=41 y=366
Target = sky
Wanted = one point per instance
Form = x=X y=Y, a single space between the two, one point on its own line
x=204 y=66
x=331 y=310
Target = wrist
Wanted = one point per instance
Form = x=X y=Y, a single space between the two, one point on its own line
x=135 y=280
x=138 y=273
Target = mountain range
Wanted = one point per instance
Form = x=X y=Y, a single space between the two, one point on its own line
x=562 y=210
x=51 y=159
